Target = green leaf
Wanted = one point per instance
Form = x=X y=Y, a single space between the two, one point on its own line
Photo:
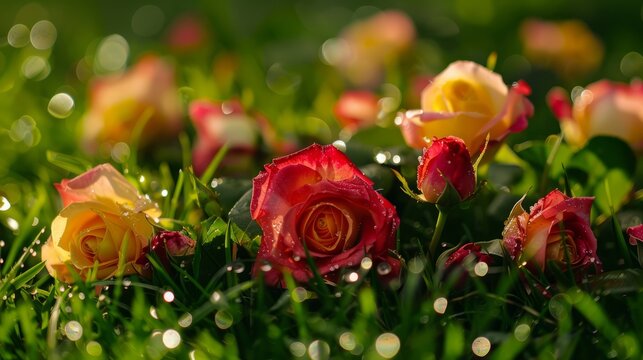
x=618 y=281
x=405 y=187
x=605 y=167
x=241 y=238
x=214 y=230
x=20 y=280
x=240 y=215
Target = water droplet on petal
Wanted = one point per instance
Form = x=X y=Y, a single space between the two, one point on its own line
x=383 y=268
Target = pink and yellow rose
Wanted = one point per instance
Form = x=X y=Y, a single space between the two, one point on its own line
x=103 y=229
x=603 y=108
x=468 y=101
x=556 y=229
x=117 y=103
x=317 y=199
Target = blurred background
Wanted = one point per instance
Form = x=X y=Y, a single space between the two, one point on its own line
x=284 y=58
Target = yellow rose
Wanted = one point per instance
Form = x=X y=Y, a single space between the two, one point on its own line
x=468 y=101
x=118 y=102
x=103 y=229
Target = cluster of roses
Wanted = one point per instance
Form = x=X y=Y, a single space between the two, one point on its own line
x=315 y=204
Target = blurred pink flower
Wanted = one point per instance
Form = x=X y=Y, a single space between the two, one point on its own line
x=187 y=33
x=118 y=102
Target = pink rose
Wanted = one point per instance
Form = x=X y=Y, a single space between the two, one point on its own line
x=318 y=199
x=603 y=108
x=445 y=160
x=557 y=228
x=218 y=123
x=468 y=101
x=118 y=102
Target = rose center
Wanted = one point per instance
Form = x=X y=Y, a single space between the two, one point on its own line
x=328 y=228
x=561 y=246
x=462 y=96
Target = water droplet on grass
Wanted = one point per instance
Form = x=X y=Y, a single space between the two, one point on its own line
x=387 y=345
x=171 y=339
x=73 y=330
x=223 y=319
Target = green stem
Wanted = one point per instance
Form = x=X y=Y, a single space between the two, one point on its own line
x=439 y=226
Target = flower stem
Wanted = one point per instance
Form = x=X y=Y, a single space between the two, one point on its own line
x=437 y=233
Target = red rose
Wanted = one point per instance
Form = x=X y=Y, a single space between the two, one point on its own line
x=318 y=199
x=446 y=159
x=467 y=250
x=636 y=234
x=357 y=109
x=557 y=228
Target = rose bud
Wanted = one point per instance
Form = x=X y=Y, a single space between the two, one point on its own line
x=317 y=201
x=567 y=47
x=169 y=244
x=218 y=123
x=366 y=47
x=636 y=234
x=556 y=229
x=356 y=110
x=468 y=101
x=603 y=108
x=465 y=256
x=118 y=102
x=104 y=218
x=446 y=160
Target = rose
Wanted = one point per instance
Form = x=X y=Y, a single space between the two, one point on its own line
x=166 y=244
x=464 y=252
x=365 y=48
x=465 y=256
x=187 y=33
x=446 y=160
x=316 y=200
x=119 y=102
x=603 y=108
x=568 y=47
x=357 y=109
x=219 y=123
x=636 y=234
x=105 y=225
x=468 y=101
x=557 y=229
